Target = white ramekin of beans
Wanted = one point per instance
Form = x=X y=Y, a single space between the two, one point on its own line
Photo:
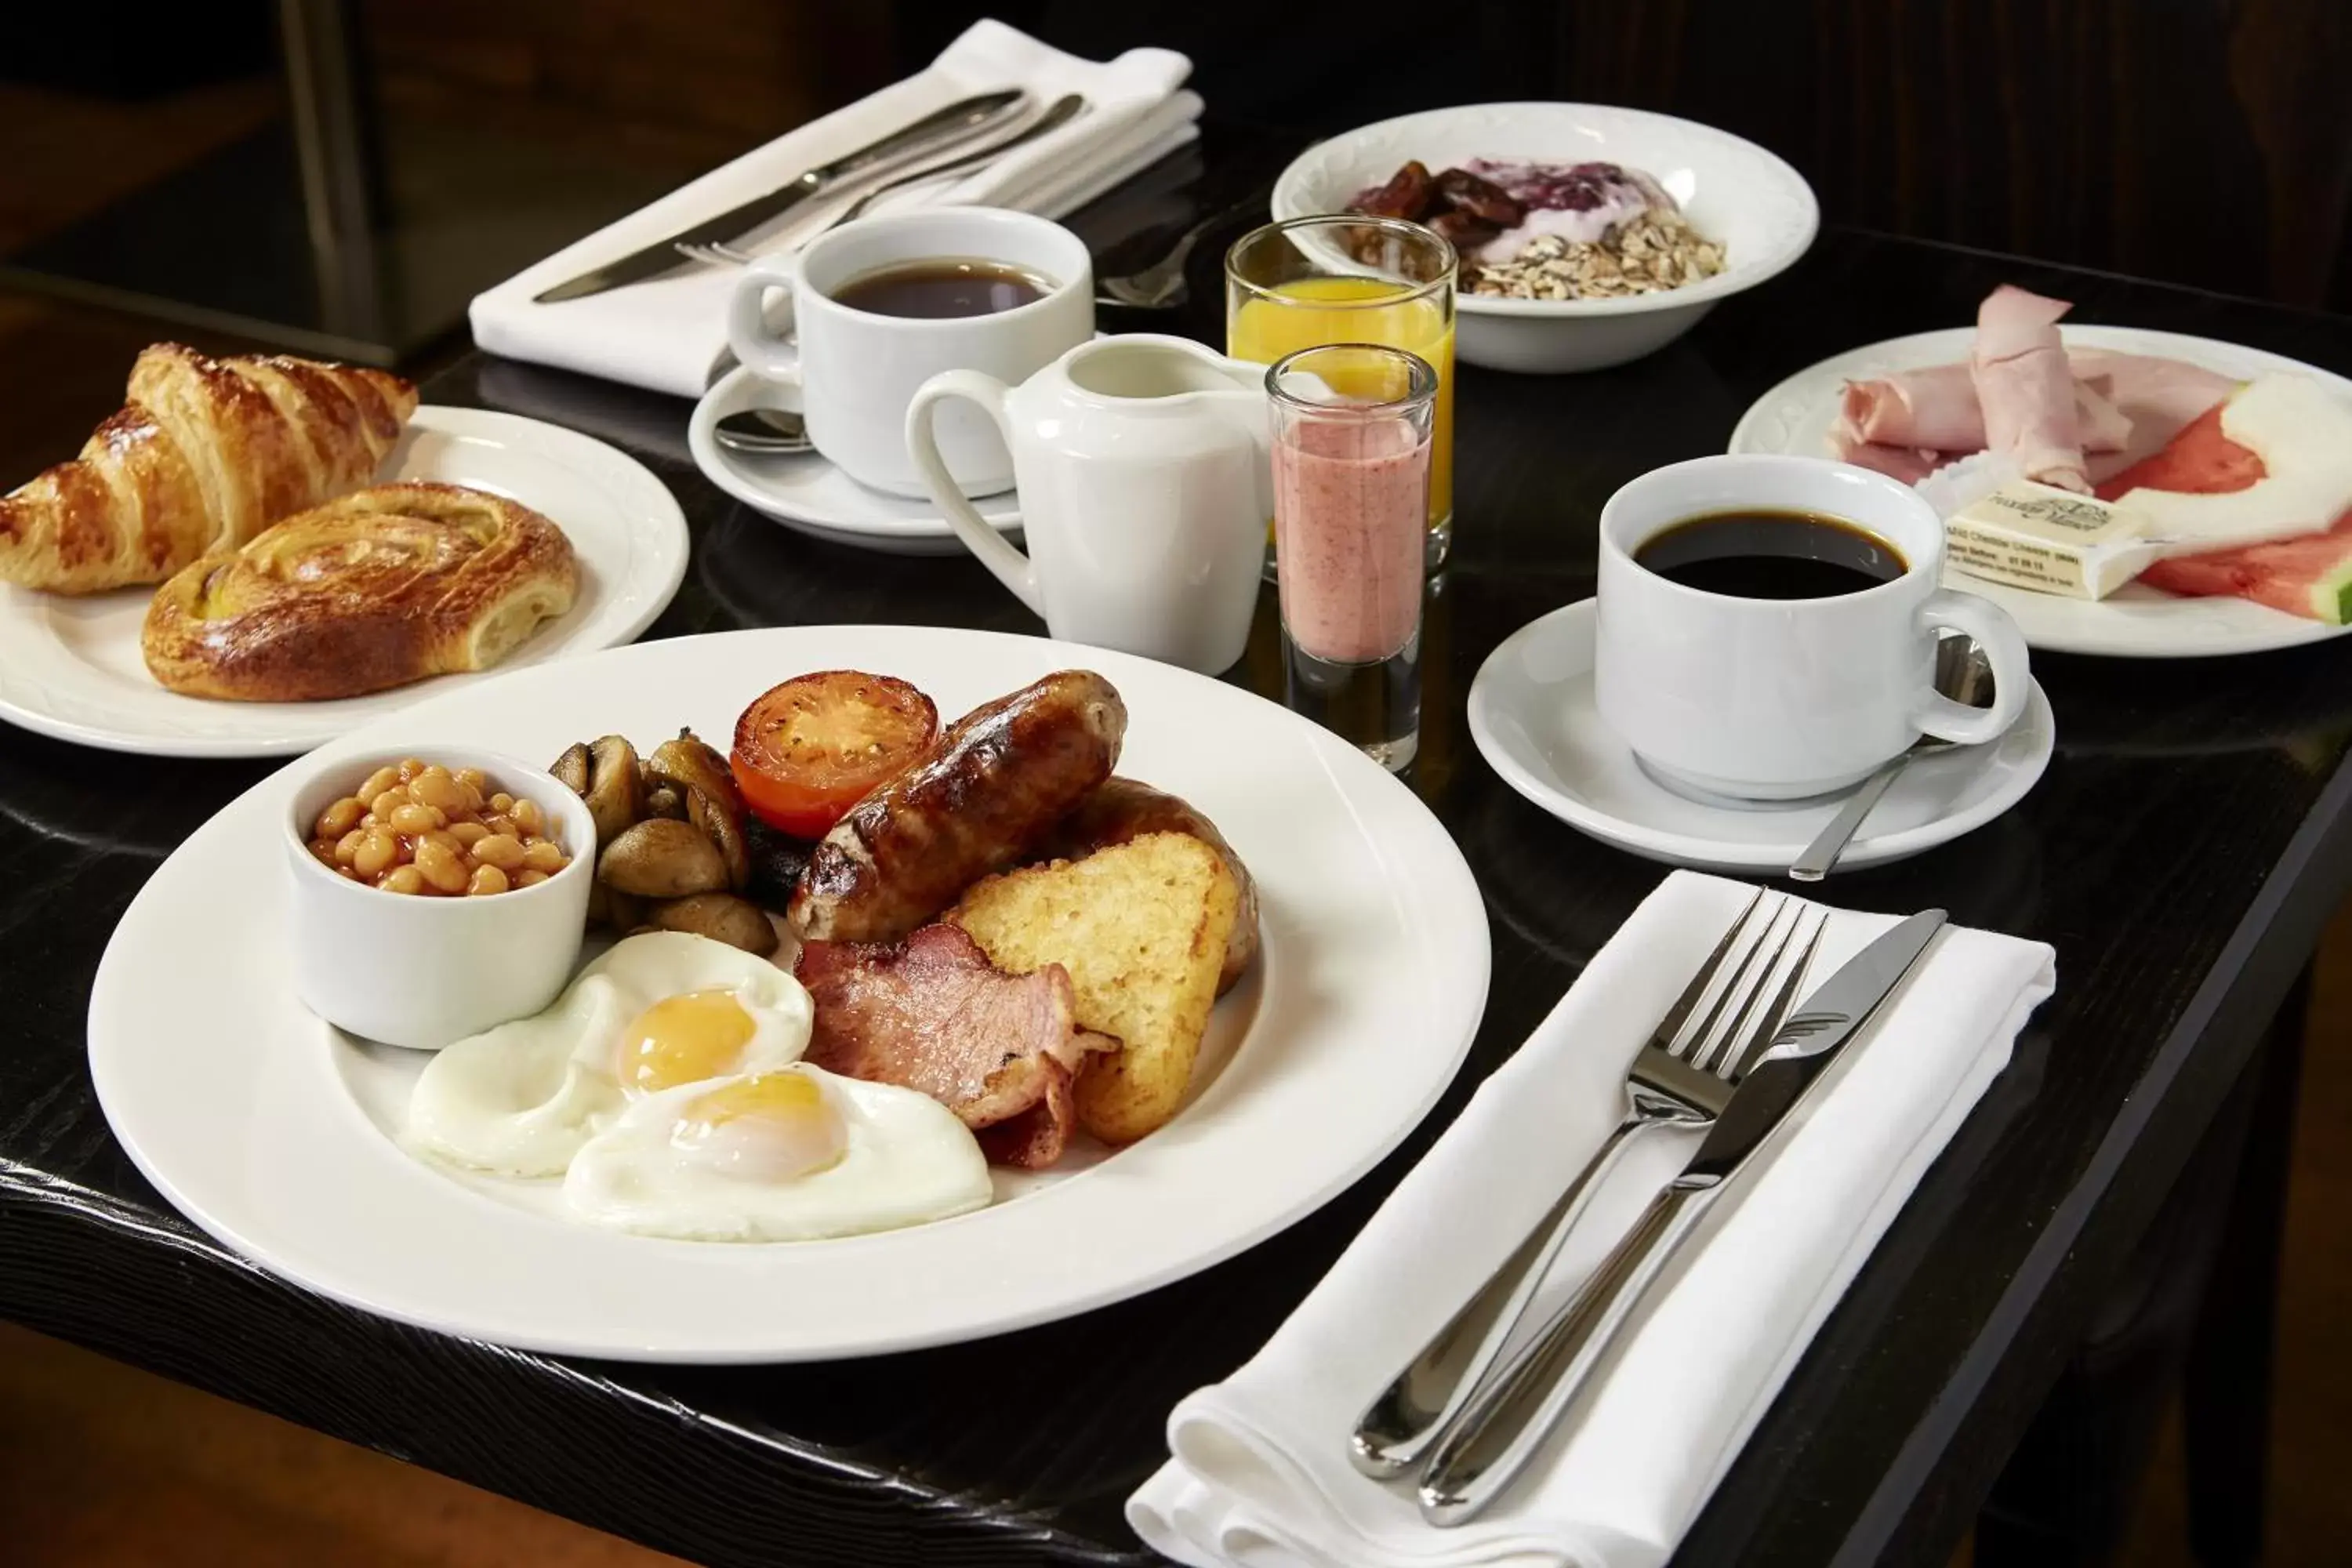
x=438 y=892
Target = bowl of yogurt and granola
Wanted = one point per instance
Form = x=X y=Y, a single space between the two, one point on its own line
x=1590 y=235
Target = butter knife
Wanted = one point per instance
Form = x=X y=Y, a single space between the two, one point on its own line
x=1510 y=1414
x=932 y=131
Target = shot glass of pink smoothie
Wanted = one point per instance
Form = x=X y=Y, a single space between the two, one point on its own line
x=1351 y=426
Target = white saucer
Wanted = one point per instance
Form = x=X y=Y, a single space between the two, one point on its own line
x=1533 y=716
x=806 y=492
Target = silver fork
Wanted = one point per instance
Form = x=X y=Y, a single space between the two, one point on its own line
x=1161 y=286
x=1063 y=110
x=1682 y=1077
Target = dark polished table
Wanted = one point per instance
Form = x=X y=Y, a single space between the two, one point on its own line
x=2182 y=853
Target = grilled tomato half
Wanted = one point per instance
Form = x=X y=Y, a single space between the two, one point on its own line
x=810 y=749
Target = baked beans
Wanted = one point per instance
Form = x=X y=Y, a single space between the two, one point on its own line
x=420 y=829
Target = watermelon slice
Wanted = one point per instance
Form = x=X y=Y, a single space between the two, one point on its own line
x=2309 y=575
x=2200 y=459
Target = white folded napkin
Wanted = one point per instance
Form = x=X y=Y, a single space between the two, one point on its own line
x=668 y=333
x=1259 y=1474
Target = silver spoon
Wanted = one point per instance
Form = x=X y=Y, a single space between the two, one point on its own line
x=763 y=431
x=1962 y=674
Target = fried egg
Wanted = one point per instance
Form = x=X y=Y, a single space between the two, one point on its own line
x=653 y=1013
x=789 y=1154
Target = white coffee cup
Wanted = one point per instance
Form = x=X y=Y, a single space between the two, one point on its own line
x=1781 y=699
x=857 y=370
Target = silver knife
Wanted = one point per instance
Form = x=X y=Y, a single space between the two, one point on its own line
x=1513 y=1412
x=932 y=131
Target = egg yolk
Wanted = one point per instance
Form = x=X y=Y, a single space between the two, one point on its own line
x=771 y=1127
x=683 y=1039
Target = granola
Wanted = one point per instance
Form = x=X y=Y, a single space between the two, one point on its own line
x=1653 y=251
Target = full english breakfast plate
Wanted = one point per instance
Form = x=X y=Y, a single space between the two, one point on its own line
x=899 y=1017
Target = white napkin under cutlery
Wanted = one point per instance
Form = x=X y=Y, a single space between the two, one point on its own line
x=668 y=332
x=1259 y=1473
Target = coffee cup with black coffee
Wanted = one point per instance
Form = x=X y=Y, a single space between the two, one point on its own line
x=1767 y=626
x=863 y=315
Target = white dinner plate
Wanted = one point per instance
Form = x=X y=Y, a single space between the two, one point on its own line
x=70 y=665
x=807 y=494
x=1533 y=716
x=2134 y=622
x=275 y=1134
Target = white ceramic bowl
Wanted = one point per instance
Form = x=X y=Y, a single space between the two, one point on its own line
x=1732 y=190
x=423 y=971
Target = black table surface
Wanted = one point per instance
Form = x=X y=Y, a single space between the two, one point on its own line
x=2182 y=853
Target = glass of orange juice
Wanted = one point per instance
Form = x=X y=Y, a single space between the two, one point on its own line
x=1314 y=281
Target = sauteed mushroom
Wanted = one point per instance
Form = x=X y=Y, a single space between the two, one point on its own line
x=701 y=777
x=615 y=789
x=687 y=763
x=572 y=769
x=722 y=916
x=661 y=857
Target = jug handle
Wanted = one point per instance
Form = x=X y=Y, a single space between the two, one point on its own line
x=1012 y=568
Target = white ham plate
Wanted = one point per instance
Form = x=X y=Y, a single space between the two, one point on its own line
x=2135 y=622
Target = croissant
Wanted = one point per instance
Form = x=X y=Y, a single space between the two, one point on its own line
x=205 y=454
x=376 y=589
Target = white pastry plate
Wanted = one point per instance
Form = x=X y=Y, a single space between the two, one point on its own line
x=72 y=668
x=2135 y=622
x=806 y=493
x=275 y=1134
x=1533 y=716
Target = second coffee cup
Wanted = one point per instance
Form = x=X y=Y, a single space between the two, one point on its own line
x=856 y=338
x=1767 y=626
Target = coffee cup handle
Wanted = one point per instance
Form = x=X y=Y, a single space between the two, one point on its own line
x=2004 y=648
x=1013 y=569
x=766 y=351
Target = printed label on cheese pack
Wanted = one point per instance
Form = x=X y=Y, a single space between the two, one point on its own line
x=2049 y=540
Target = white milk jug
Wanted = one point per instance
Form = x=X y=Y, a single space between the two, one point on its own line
x=1145 y=480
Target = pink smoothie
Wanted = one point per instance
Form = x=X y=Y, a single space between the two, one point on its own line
x=1351 y=507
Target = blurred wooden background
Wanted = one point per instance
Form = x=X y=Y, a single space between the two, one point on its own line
x=2206 y=141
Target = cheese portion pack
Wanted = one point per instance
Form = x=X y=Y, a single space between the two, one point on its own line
x=2049 y=540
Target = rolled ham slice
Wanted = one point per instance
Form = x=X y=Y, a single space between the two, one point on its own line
x=1936 y=409
x=2153 y=393
x=1907 y=464
x=1911 y=423
x=2159 y=397
x=2026 y=387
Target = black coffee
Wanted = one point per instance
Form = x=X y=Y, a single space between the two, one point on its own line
x=942 y=287
x=1757 y=554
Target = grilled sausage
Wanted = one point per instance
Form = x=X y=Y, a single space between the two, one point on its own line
x=988 y=791
x=1123 y=809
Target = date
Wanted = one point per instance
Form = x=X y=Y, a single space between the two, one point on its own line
x=1409 y=195
x=1481 y=198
